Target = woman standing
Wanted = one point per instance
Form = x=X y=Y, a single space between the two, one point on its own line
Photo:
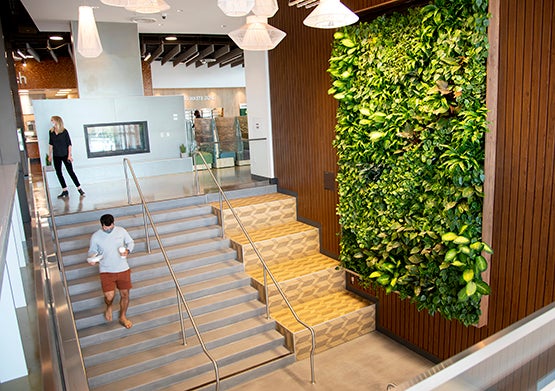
x=59 y=150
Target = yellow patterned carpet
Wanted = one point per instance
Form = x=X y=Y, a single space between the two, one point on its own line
x=272 y=232
x=249 y=201
x=319 y=310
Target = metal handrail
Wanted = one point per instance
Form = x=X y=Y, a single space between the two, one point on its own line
x=265 y=266
x=181 y=297
x=61 y=268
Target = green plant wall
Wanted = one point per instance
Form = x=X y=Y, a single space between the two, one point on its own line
x=410 y=134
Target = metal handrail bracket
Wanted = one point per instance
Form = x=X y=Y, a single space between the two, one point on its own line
x=263 y=262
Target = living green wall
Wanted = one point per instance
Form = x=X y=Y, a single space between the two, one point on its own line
x=410 y=132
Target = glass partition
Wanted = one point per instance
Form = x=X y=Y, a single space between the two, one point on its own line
x=520 y=357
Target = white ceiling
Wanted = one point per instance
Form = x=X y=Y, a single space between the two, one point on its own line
x=184 y=16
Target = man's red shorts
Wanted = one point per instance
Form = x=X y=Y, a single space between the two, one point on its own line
x=110 y=281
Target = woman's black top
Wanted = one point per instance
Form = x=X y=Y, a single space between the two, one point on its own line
x=60 y=143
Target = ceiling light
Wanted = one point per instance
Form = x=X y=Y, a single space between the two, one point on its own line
x=236 y=7
x=88 y=41
x=147 y=6
x=267 y=8
x=330 y=14
x=115 y=3
x=21 y=54
x=56 y=38
x=147 y=57
x=257 y=34
x=171 y=38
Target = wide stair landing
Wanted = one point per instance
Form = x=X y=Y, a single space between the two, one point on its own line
x=312 y=282
x=150 y=355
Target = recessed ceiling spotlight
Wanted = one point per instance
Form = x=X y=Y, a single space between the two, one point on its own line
x=171 y=38
x=179 y=10
x=56 y=38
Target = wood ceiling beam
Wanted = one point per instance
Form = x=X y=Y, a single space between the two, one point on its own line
x=193 y=50
x=171 y=54
x=206 y=52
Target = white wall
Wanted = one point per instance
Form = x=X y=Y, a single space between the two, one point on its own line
x=166 y=127
x=259 y=113
x=117 y=71
x=181 y=76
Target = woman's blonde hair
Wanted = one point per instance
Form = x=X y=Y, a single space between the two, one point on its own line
x=58 y=124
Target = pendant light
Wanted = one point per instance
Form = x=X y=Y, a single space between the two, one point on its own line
x=267 y=8
x=330 y=14
x=115 y=3
x=257 y=34
x=236 y=7
x=147 y=6
x=88 y=41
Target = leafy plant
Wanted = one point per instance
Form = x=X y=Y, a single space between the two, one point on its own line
x=410 y=142
x=182 y=148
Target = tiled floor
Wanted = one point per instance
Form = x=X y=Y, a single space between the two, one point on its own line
x=365 y=363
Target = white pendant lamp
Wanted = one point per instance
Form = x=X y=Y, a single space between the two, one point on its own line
x=115 y=3
x=257 y=34
x=330 y=14
x=266 y=8
x=88 y=41
x=147 y=6
x=236 y=7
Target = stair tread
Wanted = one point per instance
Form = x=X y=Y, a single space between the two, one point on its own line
x=248 y=201
x=176 y=348
x=271 y=232
x=236 y=367
x=288 y=269
x=188 y=290
x=319 y=310
x=176 y=367
x=224 y=315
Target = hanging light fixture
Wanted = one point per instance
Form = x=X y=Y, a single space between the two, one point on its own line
x=266 y=8
x=88 y=41
x=115 y=3
x=257 y=34
x=330 y=14
x=147 y=6
x=236 y=7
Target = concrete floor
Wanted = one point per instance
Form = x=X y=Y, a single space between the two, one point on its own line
x=370 y=362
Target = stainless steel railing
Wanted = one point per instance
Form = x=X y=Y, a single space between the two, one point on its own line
x=61 y=309
x=180 y=297
x=267 y=271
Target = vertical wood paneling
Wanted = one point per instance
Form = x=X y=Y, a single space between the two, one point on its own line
x=523 y=266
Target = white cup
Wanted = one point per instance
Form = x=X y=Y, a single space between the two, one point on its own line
x=122 y=251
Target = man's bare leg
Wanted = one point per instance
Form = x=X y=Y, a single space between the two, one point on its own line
x=124 y=304
x=108 y=299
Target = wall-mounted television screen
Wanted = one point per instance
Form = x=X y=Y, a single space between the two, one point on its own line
x=112 y=139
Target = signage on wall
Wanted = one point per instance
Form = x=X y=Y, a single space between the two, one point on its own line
x=21 y=79
x=200 y=97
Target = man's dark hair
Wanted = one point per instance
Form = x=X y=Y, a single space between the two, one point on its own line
x=107 y=220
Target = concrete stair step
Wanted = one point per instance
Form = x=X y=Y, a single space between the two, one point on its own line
x=114 y=369
x=240 y=371
x=134 y=220
x=155 y=263
x=162 y=314
x=122 y=347
x=207 y=239
x=185 y=368
x=164 y=228
x=95 y=316
x=150 y=284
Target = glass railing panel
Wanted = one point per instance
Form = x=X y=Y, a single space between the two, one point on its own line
x=520 y=357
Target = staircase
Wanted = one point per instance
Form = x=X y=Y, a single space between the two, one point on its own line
x=313 y=283
x=150 y=355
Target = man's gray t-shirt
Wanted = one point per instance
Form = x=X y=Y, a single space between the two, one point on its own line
x=108 y=244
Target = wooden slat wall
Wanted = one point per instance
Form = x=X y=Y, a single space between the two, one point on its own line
x=523 y=266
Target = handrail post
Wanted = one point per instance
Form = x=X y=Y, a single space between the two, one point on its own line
x=127 y=181
x=147 y=236
x=181 y=317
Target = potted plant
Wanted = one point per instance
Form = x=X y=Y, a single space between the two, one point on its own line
x=182 y=151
